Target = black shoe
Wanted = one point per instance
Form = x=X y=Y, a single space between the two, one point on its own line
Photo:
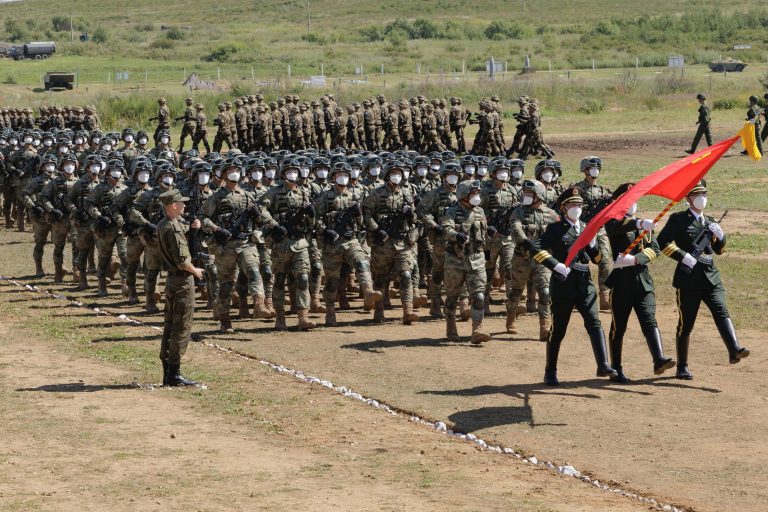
x=165 y=373
x=550 y=378
x=175 y=378
x=620 y=377
x=689 y=151
x=745 y=152
x=660 y=367
x=606 y=371
x=739 y=355
x=683 y=373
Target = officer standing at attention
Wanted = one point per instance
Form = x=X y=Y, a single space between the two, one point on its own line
x=570 y=286
x=696 y=278
x=703 y=122
x=179 y=287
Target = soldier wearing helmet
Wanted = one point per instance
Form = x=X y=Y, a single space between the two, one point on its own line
x=81 y=220
x=163 y=118
x=548 y=173
x=52 y=199
x=31 y=201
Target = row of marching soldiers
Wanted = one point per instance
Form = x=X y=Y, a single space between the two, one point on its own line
x=270 y=226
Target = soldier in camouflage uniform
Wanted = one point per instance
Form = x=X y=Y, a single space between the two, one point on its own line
x=31 y=200
x=318 y=119
x=231 y=214
x=144 y=215
x=703 y=122
x=232 y=123
x=241 y=125
x=528 y=222
x=392 y=141
x=405 y=125
x=141 y=170
x=353 y=139
x=457 y=120
x=223 y=132
x=338 y=220
x=291 y=208
x=190 y=123
x=163 y=118
x=201 y=129
x=52 y=199
x=595 y=198
x=416 y=112
x=308 y=126
x=297 y=129
x=21 y=166
x=106 y=205
x=465 y=228
x=81 y=220
x=430 y=210
x=390 y=219
x=548 y=173
x=339 y=132
x=429 y=131
x=277 y=126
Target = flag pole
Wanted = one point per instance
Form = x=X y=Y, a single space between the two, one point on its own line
x=643 y=232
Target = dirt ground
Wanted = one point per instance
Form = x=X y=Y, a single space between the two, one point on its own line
x=81 y=435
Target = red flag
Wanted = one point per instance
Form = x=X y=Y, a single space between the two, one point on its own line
x=673 y=182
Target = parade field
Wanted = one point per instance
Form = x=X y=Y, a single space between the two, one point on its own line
x=87 y=425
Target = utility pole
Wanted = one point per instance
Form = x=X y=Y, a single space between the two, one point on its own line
x=71 y=28
x=309 y=19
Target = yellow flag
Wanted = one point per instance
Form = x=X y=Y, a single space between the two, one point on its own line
x=749 y=141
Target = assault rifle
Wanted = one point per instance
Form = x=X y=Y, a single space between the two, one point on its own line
x=295 y=224
x=344 y=220
x=395 y=223
x=702 y=242
x=499 y=220
x=594 y=208
x=195 y=243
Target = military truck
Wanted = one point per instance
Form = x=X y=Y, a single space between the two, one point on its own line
x=33 y=50
x=58 y=80
x=719 y=66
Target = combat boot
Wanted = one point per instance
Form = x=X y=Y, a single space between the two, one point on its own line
x=478 y=335
x=225 y=324
x=114 y=268
x=20 y=225
x=102 y=292
x=370 y=296
x=39 y=272
x=451 y=332
x=270 y=307
x=465 y=312
x=330 y=314
x=378 y=312
x=165 y=373
x=511 y=325
x=314 y=304
x=58 y=273
x=259 y=310
x=605 y=300
x=175 y=378
x=435 y=311
x=408 y=315
x=521 y=309
x=124 y=288
x=305 y=324
x=82 y=281
x=280 y=319
x=419 y=301
x=545 y=325
x=75 y=275
x=150 y=306
x=133 y=295
x=242 y=302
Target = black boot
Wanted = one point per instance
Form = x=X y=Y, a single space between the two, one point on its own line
x=735 y=352
x=175 y=378
x=615 y=346
x=597 y=339
x=165 y=373
x=550 y=371
x=682 y=358
x=550 y=377
x=660 y=363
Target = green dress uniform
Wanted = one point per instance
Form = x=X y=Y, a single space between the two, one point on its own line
x=699 y=284
x=179 y=293
x=632 y=288
x=576 y=290
x=703 y=129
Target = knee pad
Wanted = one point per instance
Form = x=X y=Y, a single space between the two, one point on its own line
x=362 y=266
x=266 y=275
x=302 y=282
x=317 y=267
x=478 y=300
x=405 y=276
x=331 y=286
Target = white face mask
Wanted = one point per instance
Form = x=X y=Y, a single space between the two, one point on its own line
x=115 y=175
x=167 y=180
x=321 y=173
x=28 y=140
x=422 y=171
x=406 y=175
x=96 y=140
x=594 y=172
x=434 y=168
x=164 y=140
x=233 y=176
x=632 y=209
x=142 y=141
x=270 y=174
x=700 y=202
x=36 y=142
x=546 y=176
x=128 y=138
x=63 y=150
x=13 y=142
x=203 y=178
x=106 y=147
x=342 y=180
x=94 y=168
x=304 y=171
x=469 y=170
x=291 y=175
x=475 y=200
x=47 y=143
x=256 y=175
x=78 y=141
x=142 y=177
x=517 y=174
x=574 y=213
x=527 y=200
x=502 y=176
x=451 y=179
x=354 y=174
x=49 y=167
x=374 y=171
x=103 y=165
x=395 y=178
x=69 y=168
x=482 y=172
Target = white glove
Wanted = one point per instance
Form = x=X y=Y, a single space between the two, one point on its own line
x=625 y=261
x=593 y=243
x=689 y=261
x=716 y=230
x=646 y=224
x=562 y=270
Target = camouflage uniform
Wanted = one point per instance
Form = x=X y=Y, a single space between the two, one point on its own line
x=201 y=130
x=224 y=132
x=190 y=123
x=82 y=222
x=465 y=231
x=353 y=140
x=52 y=198
x=104 y=203
x=163 y=118
x=40 y=225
